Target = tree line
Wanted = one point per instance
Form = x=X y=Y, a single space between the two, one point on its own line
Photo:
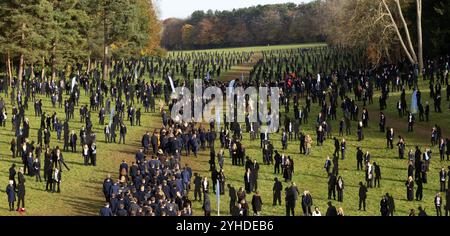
x=388 y=29
x=258 y=25
x=49 y=36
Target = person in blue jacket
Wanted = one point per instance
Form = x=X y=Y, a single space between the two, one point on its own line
x=106 y=211
x=11 y=195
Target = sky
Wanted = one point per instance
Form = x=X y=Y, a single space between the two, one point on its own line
x=184 y=8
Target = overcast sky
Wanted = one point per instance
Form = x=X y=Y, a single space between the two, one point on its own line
x=184 y=8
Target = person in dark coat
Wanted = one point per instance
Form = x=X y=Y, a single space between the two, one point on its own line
x=37 y=169
x=277 y=188
x=377 y=171
x=233 y=197
x=256 y=204
x=291 y=199
x=331 y=211
x=419 y=191
x=332 y=186
x=384 y=209
x=391 y=204
x=197 y=187
x=421 y=212
x=12 y=174
x=106 y=211
x=307 y=203
x=447 y=202
x=11 y=193
x=359 y=159
x=21 y=189
x=107 y=184
x=362 y=196
x=122 y=133
x=248 y=181
x=410 y=188
x=206 y=205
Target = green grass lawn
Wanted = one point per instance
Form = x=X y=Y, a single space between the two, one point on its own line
x=82 y=186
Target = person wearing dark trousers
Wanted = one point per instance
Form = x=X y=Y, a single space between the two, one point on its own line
x=340 y=189
x=93 y=154
x=206 y=205
x=332 y=186
x=49 y=184
x=21 y=189
x=123 y=132
x=447 y=202
x=56 y=180
x=362 y=196
x=291 y=199
x=442 y=179
x=438 y=204
x=197 y=187
x=419 y=191
x=233 y=197
x=359 y=158
x=11 y=193
x=377 y=174
x=278 y=161
x=85 y=153
x=37 y=169
x=277 y=188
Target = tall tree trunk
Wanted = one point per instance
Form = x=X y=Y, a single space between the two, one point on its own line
x=43 y=69
x=105 y=45
x=32 y=71
x=419 y=34
x=399 y=35
x=408 y=37
x=54 y=61
x=21 y=61
x=89 y=65
x=10 y=75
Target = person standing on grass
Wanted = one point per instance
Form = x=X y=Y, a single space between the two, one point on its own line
x=21 y=189
x=447 y=202
x=307 y=203
x=12 y=174
x=377 y=171
x=256 y=204
x=308 y=143
x=56 y=180
x=359 y=158
x=277 y=188
x=438 y=204
x=362 y=196
x=442 y=179
x=93 y=154
x=384 y=206
x=442 y=149
x=340 y=189
x=73 y=141
x=206 y=205
x=122 y=132
x=11 y=193
x=13 y=148
x=343 y=148
x=37 y=169
x=410 y=188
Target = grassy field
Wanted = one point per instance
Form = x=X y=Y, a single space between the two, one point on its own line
x=81 y=186
x=255 y=48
